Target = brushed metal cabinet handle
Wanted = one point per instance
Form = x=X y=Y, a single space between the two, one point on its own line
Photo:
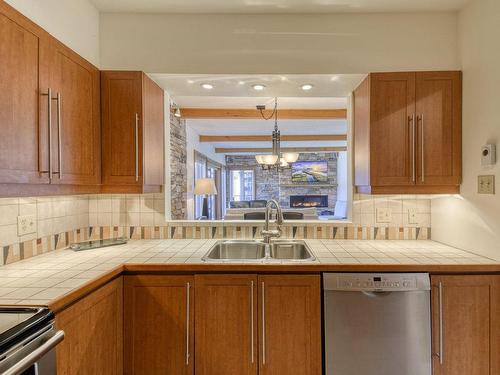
x=137 y=147
x=251 y=323
x=49 y=129
x=59 y=132
x=422 y=148
x=263 y=324
x=188 y=287
x=411 y=120
x=441 y=342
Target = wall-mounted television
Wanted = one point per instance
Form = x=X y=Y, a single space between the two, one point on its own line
x=310 y=171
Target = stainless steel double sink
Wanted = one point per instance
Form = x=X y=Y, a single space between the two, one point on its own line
x=256 y=251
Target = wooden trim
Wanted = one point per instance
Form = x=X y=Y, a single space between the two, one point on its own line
x=87 y=288
x=409 y=189
x=268 y=138
x=36 y=190
x=283 y=149
x=182 y=268
x=245 y=113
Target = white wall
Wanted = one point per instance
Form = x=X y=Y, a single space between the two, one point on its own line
x=73 y=22
x=193 y=143
x=342 y=43
x=472 y=221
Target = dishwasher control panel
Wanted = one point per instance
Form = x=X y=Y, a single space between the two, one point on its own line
x=376 y=282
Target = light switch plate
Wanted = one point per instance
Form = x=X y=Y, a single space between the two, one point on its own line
x=486 y=184
x=384 y=215
x=26 y=225
x=412 y=216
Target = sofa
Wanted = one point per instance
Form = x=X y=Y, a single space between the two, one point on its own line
x=239 y=213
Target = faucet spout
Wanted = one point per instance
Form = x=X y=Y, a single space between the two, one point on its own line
x=267 y=233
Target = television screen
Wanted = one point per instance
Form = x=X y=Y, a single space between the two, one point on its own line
x=310 y=171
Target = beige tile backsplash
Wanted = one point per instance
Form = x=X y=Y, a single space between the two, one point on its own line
x=365 y=209
x=126 y=210
x=65 y=213
x=53 y=215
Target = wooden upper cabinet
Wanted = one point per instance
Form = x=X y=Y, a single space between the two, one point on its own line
x=23 y=151
x=93 y=327
x=159 y=325
x=466 y=325
x=439 y=113
x=407 y=133
x=226 y=325
x=290 y=325
x=50 y=145
x=132 y=132
x=393 y=105
x=76 y=147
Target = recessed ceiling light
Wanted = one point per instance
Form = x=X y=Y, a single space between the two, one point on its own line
x=334 y=78
x=207 y=86
x=241 y=83
x=306 y=87
x=258 y=87
x=190 y=81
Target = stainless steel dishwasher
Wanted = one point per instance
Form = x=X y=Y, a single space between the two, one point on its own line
x=377 y=324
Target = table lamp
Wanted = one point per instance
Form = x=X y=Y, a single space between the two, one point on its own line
x=206 y=187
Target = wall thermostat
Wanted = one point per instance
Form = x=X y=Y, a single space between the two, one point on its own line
x=488 y=155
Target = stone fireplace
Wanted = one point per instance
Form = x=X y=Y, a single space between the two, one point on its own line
x=307 y=201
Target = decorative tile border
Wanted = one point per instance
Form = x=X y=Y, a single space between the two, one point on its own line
x=28 y=249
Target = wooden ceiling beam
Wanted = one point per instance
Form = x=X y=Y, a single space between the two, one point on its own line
x=267 y=138
x=245 y=113
x=283 y=149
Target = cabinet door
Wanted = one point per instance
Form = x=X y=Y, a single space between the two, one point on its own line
x=76 y=148
x=391 y=133
x=466 y=325
x=290 y=325
x=225 y=324
x=439 y=112
x=93 y=329
x=23 y=150
x=122 y=127
x=159 y=329
x=153 y=135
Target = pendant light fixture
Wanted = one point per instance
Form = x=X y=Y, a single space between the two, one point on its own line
x=276 y=160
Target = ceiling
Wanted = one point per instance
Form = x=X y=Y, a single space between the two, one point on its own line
x=236 y=92
x=180 y=86
x=263 y=127
x=276 y=6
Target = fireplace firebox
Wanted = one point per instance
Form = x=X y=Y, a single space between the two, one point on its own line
x=305 y=201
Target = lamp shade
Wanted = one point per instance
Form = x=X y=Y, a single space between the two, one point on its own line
x=266 y=159
x=205 y=186
x=290 y=157
x=283 y=163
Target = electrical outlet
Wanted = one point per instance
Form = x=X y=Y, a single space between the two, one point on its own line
x=486 y=184
x=384 y=215
x=26 y=225
x=412 y=216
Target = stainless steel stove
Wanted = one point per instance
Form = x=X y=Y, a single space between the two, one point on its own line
x=28 y=339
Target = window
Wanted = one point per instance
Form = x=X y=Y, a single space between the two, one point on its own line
x=199 y=172
x=242 y=185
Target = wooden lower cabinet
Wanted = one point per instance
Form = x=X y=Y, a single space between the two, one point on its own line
x=466 y=325
x=290 y=325
x=93 y=326
x=226 y=325
x=246 y=324
x=158 y=325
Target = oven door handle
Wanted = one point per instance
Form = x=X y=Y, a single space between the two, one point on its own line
x=24 y=363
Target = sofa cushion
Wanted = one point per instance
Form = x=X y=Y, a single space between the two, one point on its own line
x=239 y=204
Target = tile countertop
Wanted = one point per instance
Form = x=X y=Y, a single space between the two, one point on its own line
x=42 y=279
